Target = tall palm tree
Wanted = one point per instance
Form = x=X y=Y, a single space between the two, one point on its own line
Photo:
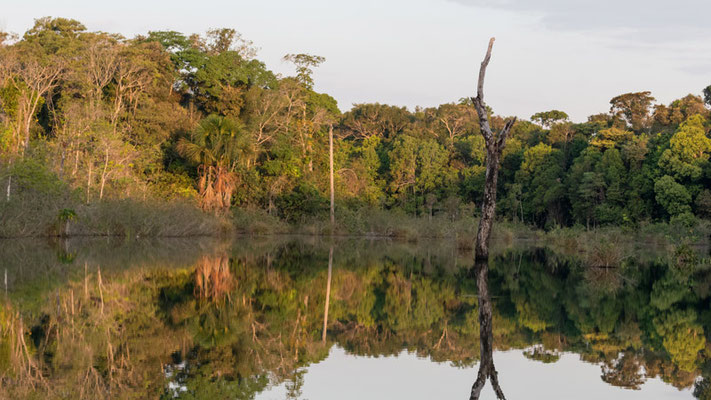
x=217 y=146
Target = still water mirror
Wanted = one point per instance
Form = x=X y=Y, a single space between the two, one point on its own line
x=310 y=318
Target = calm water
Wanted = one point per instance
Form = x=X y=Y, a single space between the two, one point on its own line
x=201 y=319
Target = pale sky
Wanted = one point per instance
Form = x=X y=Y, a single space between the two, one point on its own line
x=549 y=54
x=408 y=376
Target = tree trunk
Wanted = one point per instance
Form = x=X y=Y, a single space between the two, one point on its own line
x=330 y=162
x=88 y=182
x=61 y=163
x=76 y=163
x=494 y=145
x=328 y=294
x=9 y=185
x=103 y=175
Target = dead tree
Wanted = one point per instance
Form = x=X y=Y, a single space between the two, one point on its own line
x=494 y=146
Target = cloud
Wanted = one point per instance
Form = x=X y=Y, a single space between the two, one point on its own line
x=638 y=20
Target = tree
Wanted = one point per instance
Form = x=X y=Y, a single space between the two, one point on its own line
x=703 y=203
x=304 y=67
x=367 y=120
x=548 y=118
x=561 y=133
x=403 y=166
x=456 y=120
x=688 y=150
x=672 y=196
x=591 y=194
x=28 y=78
x=541 y=177
x=707 y=95
x=221 y=40
x=633 y=108
x=495 y=144
x=217 y=145
x=610 y=138
x=679 y=110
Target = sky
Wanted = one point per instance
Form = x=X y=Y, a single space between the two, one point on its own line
x=407 y=376
x=549 y=54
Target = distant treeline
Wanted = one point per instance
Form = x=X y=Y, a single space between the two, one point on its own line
x=94 y=115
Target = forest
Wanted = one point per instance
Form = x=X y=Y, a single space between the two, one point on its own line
x=168 y=124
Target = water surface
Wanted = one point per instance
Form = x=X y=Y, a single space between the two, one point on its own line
x=204 y=319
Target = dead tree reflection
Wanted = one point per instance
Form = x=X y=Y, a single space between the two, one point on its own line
x=486 y=337
x=494 y=146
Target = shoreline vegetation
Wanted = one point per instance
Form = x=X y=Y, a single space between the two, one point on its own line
x=192 y=135
x=59 y=219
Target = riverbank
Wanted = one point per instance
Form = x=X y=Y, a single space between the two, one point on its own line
x=126 y=218
x=66 y=217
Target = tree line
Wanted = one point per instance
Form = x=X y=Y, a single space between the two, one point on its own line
x=168 y=115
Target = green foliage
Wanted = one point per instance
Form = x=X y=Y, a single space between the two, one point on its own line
x=633 y=108
x=304 y=63
x=683 y=337
x=548 y=118
x=672 y=196
x=197 y=117
x=689 y=150
x=303 y=201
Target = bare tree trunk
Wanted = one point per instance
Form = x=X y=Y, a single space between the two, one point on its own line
x=61 y=163
x=103 y=175
x=330 y=161
x=76 y=163
x=494 y=145
x=328 y=294
x=88 y=182
x=9 y=185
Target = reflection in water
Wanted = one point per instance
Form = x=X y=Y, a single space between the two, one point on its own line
x=213 y=320
x=213 y=278
x=486 y=335
x=328 y=293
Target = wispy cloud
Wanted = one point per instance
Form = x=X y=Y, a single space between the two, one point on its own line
x=636 y=20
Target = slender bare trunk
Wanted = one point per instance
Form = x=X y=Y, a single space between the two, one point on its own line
x=330 y=162
x=328 y=294
x=9 y=185
x=103 y=174
x=88 y=182
x=76 y=163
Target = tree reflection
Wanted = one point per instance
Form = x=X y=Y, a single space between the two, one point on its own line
x=254 y=316
x=486 y=335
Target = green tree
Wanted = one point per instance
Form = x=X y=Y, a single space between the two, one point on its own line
x=633 y=108
x=217 y=146
x=672 y=196
x=548 y=118
x=688 y=150
x=541 y=176
x=304 y=67
x=610 y=138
